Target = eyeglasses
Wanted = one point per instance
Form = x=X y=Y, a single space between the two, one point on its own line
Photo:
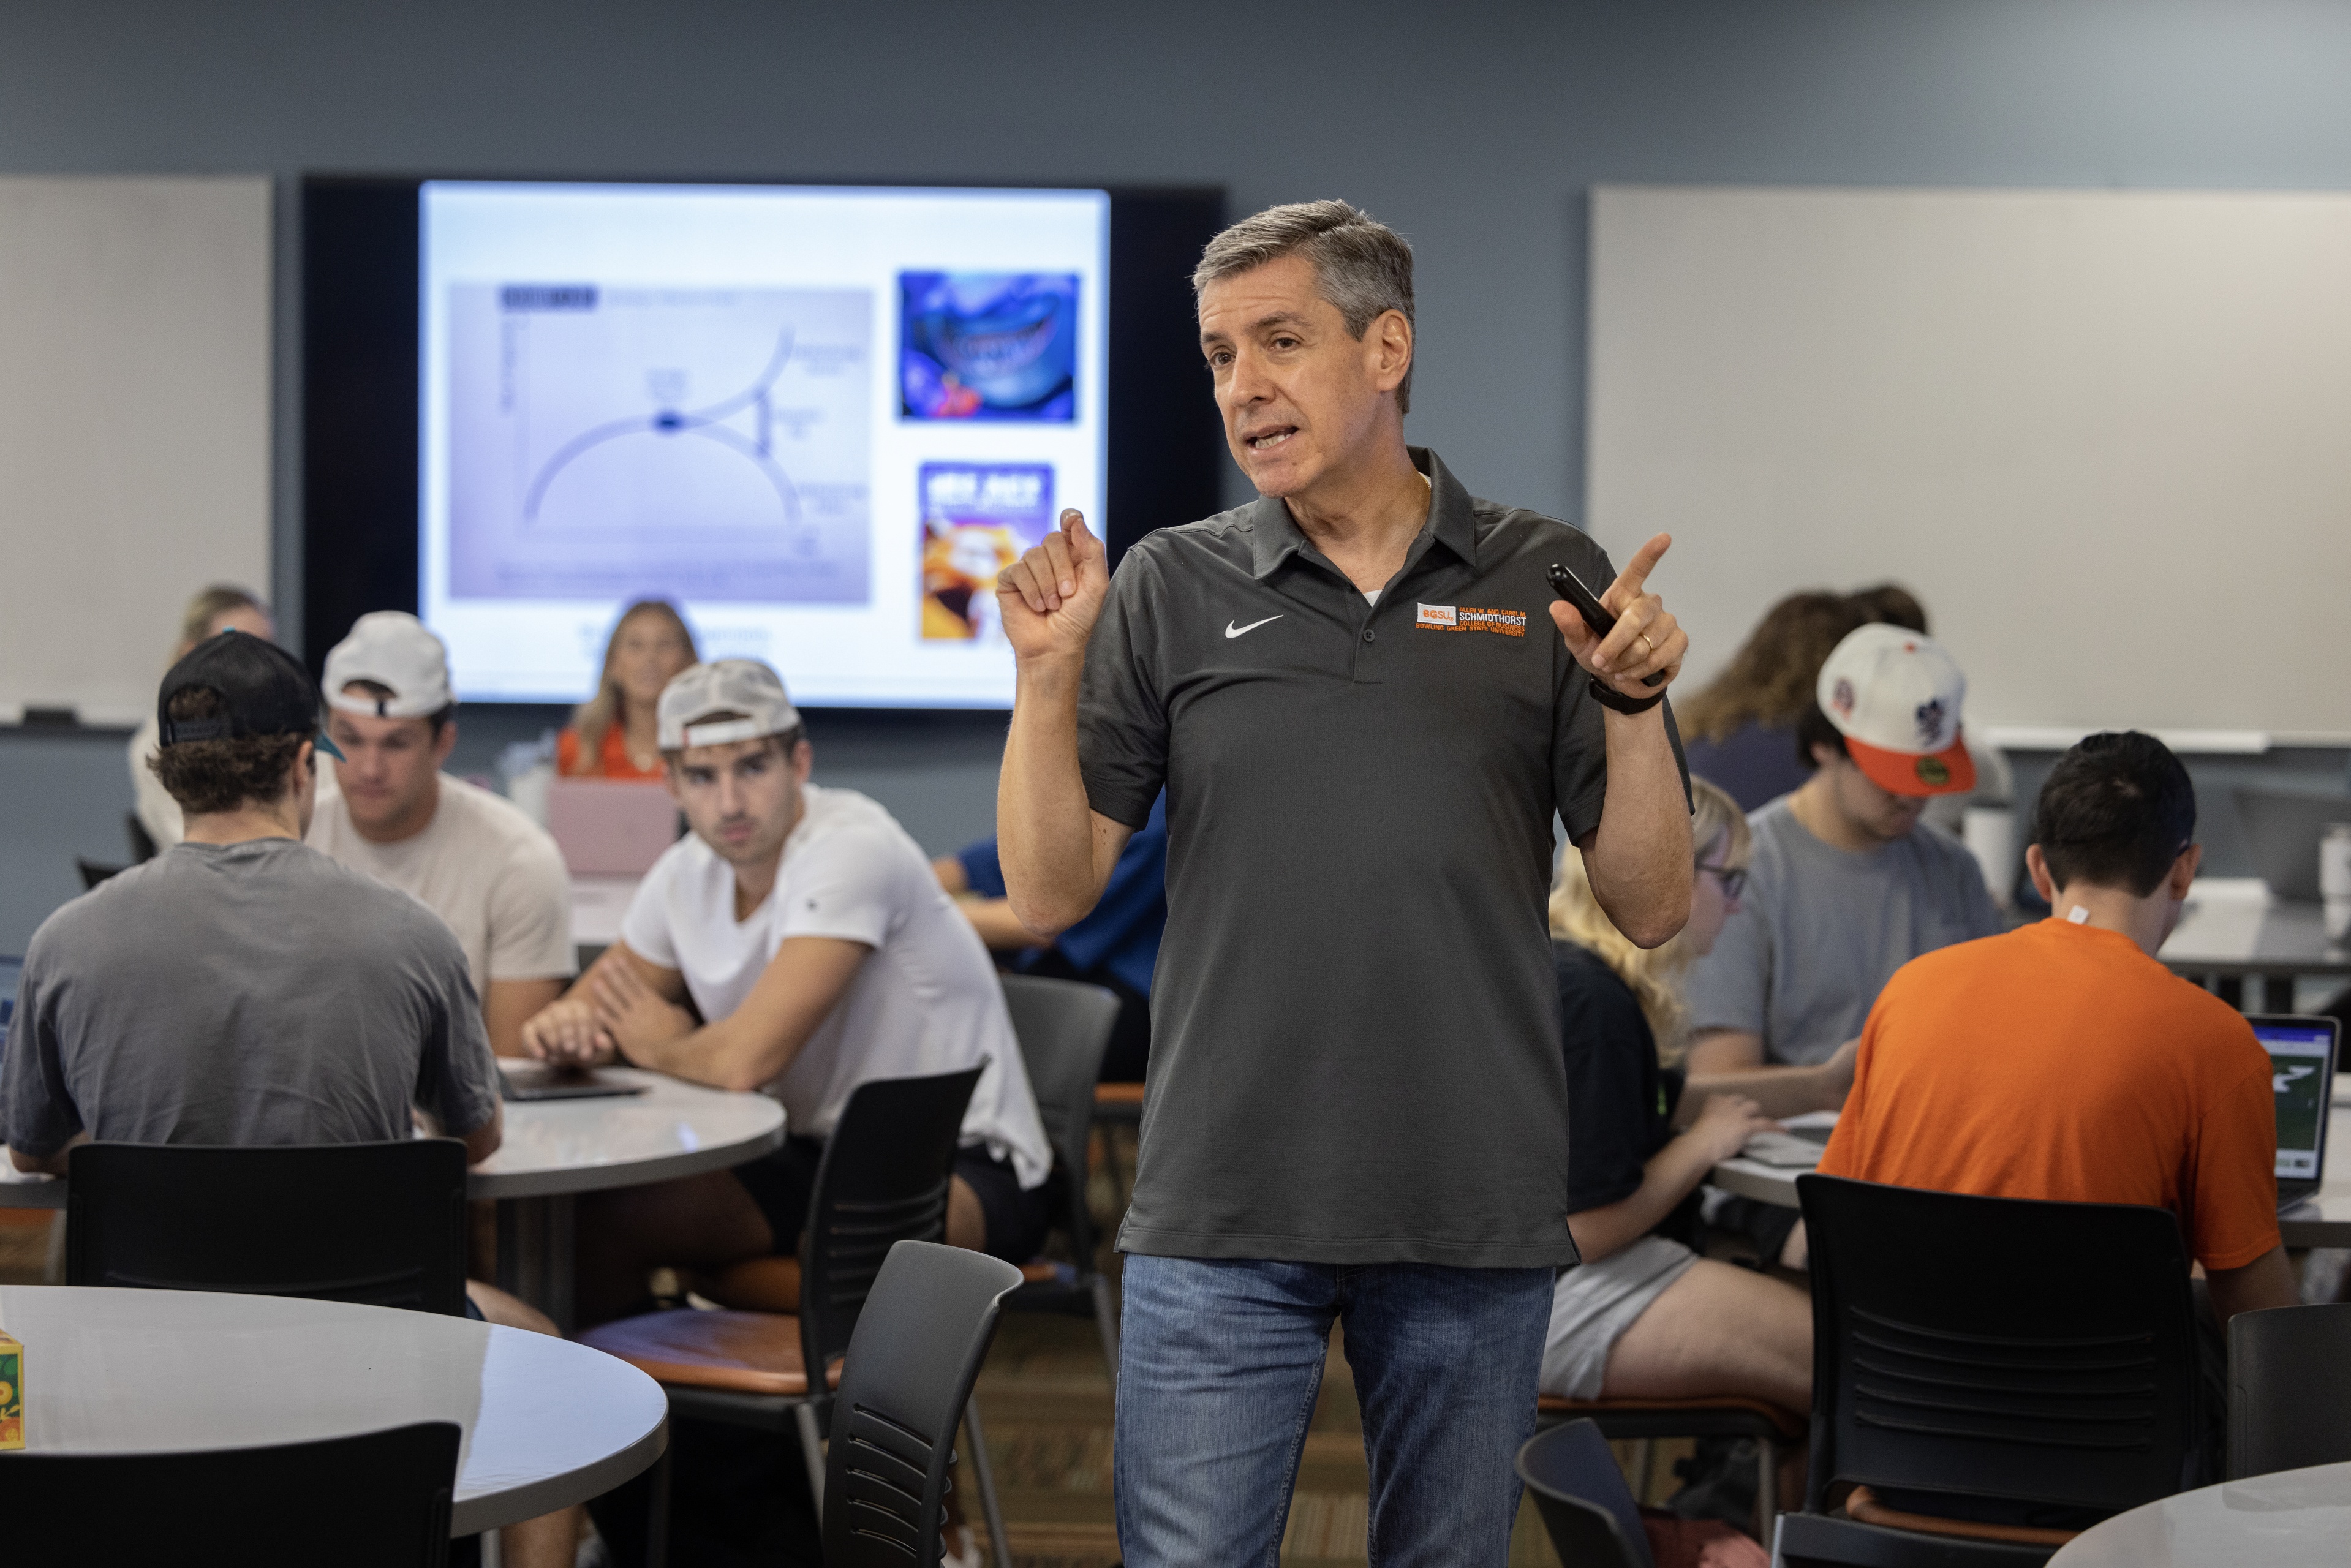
x=1732 y=880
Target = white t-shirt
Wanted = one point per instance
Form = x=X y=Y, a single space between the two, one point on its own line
x=492 y=875
x=928 y=1001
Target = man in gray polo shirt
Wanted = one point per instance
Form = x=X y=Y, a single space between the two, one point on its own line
x=1364 y=725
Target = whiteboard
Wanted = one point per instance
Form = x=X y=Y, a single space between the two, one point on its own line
x=2105 y=436
x=134 y=426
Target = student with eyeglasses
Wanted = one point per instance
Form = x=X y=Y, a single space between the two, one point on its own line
x=1645 y=1316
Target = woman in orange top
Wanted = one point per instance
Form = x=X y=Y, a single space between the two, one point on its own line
x=613 y=734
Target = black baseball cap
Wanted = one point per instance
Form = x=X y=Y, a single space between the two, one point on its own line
x=266 y=689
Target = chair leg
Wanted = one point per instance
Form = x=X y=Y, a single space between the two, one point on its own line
x=1767 y=1490
x=985 y=1474
x=1106 y=1323
x=1644 y=1469
x=657 y=1511
x=811 y=1453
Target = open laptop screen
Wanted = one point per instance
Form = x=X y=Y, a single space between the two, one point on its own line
x=2300 y=1053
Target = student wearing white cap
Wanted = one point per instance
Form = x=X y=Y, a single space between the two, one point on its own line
x=1846 y=884
x=472 y=857
x=807 y=931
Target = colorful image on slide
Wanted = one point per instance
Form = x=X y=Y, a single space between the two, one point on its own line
x=693 y=443
x=977 y=520
x=988 y=345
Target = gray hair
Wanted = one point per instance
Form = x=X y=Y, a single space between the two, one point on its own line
x=1361 y=266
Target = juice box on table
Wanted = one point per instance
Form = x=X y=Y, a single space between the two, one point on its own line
x=12 y=1393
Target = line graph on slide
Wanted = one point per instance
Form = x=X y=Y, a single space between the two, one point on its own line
x=703 y=444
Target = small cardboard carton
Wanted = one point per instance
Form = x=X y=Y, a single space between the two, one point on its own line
x=12 y=1393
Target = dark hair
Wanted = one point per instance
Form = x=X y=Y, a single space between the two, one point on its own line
x=1770 y=680
x=439 y=720
x=1814 y=729
x=2115 y=812
x=209 y=776
x=1891 y=604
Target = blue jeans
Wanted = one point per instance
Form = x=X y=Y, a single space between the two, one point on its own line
x=1220 y=1363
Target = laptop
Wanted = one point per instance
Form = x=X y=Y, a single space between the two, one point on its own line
x=527 y=1081
x=606 y=828
x=2302 y=1072
x=2283 y=828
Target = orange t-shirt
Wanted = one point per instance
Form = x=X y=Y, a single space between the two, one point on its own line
x=2060 y=1062
x=612 y=756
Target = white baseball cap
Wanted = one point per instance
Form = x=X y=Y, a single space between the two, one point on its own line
x=1894 y=695
x=392 y=649
x=744 y=688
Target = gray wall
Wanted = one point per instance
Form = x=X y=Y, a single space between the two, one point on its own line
x=1474 y=128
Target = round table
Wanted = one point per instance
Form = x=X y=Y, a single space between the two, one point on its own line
x=2283 y=1521
x=554 y=1149
x=547 y=1423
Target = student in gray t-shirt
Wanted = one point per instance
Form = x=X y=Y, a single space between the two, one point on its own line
x=1846 y=886
x=242 y=988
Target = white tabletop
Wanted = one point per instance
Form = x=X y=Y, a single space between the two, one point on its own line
x=547 y=1423
x=2232 y=924
x=2283 y=1520
x=677 y=1129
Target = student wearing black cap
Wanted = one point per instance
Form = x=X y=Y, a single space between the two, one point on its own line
x=242 y=987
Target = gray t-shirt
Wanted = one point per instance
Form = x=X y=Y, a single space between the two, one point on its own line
x=1355 y=1052
x=1820 y=930
x=252 y=993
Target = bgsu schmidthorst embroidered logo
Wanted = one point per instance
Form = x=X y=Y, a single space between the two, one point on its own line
x=1463 y=617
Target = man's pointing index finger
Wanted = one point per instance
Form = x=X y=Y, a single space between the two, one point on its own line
x=1636 y=571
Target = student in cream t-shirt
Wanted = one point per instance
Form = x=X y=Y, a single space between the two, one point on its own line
x=818 y=952
x=493 y=875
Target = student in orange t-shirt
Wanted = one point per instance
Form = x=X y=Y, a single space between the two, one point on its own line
x=2061 y=1061
x=612 y=734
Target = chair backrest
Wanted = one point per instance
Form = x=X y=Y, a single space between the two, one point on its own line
x=1999 y=1347
x=918 y=1346
x=142 y=842
x=1585 y=1505
x=95 y=871
x=1064 y=1027
x=383 y=1224
x=2289 y=1389
x=882 y=1180
x=378 y=1500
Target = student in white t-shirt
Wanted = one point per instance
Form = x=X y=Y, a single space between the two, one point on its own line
x=809 y=935
x=492 y=875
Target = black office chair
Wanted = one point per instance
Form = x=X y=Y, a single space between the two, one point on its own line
x=382 y=1223
x=882 y=1180
x=2289 y=1389
x=378 y=1500
x=1064 y=1026
x=95 y=871
x=142 y=842
x=1989 y=1374
x=911 y=1362
x=1586 y=1508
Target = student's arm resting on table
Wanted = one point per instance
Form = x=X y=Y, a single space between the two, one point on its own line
x=2267 y=1282
x=1638 y=858
x=566 y=1032
x=1778 y=1091
x=1058 y=852
x=50 y=1163
x=510 y=1004
x=1671 y=1175
x=752 y=1045
x=484 y=1141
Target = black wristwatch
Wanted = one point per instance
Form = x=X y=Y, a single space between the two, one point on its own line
x=1608 y=696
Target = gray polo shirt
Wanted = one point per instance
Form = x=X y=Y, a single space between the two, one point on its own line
x=1355 y=1052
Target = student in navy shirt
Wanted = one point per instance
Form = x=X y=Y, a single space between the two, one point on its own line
x=1117 y=945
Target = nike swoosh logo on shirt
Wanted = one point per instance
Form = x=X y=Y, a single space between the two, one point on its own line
x=1233 y=630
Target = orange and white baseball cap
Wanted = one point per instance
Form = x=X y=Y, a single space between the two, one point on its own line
x=1894 y=695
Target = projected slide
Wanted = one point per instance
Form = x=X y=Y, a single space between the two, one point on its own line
x=694 y=443
x=819 y=421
